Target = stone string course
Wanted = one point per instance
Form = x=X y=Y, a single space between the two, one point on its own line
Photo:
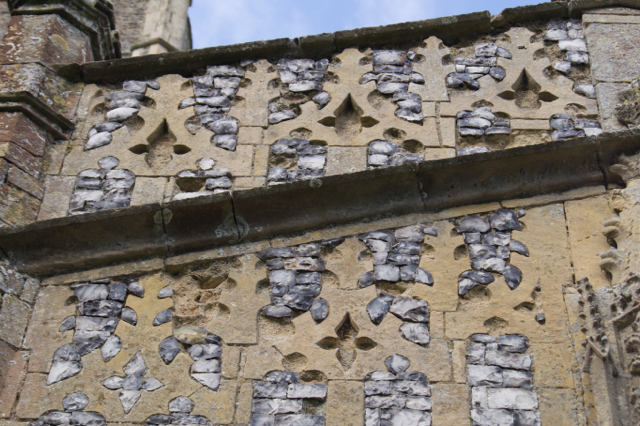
x=501 y=380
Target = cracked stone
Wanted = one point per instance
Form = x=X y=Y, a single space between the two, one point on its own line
x=128 y=398
x=113 y=383
x=75 y=402
x=210 y=380
x=163 y=317
x=513 y=276
x=129 y=315
x=111 y=348
x=484 y=375
x=473 y=224
x=416 y=333
x=379 y=307
x=410 y=309
x=320 y=309
x=181 y=404
x=397 y=364
x=513 y=343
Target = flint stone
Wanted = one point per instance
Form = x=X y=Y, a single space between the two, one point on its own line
x=481 y=375
x=397 y=364
x=465 y=285
x=586 y=90
x=380 y=258
x=513 y=276
x=158 y=419
x=410 y=234
x=486 y=49
x=296 y=65
x=322 y=99
x=66 y=353
x=389 y=87
x=276 y=406
x=311 y=162
x=304 y=174
x=505 y=220
x=408 y=272
x=479 y=276
x=541 y=318
x=101 y=308
x=225 y=70
x=89 y=292
x=181 y=419
x=305 y=86
x=125 y=103
x=368 y=77
x=472 y=150
x=381 y=376
x=417 y=78
x=402 y=259
x=477 y=70
x=561 y=123
x=113 y=383
x=475 y=122
x=411 y=387
x=277 y=175
x=165 y=292
x=61 y=370
x=409 y=309
x=210 y=380
x=481 y=251
x=87 y=419
x=489 y=265
x=333 y=242
x=405 y=418
x=98 y=140
x=270 y=390
x=473 y=224
x=312 y=150
x=206 y=351
x=378 y=160
x=132 y=383
x=84 y=324
x=319 y=309
x=111 y=348
x=387 y=236
x=121 y=114
x=514 y=399
x=413 y=105
x=151 y=384
x=392 y=401
x=118 y=292
x=299 y=420
x=379 y=307
x=497 y=131
x=513 y=343
x=389 y=273
x=277 y=311
x=409 y=115
x=420 y=403
x=305 y=278
x=163 y=317
x=129 y=315
x=470 y=131
x=413 y=376
x=136 y=366
x=181 y=404
x=406 y=247
x=206 y=366
x=222 y=182
x=69 y=323
x=136 y=289
x=377 y=387
x=564 y=67
x=517 y=379
x=225 y=126
x=262 y=420
x=389 y=57
x=75 y=402
x=527 y=418
x=305 y=264
x=120 y=95
x=576 y=45
x=483 y=338
x=578 y=57
x=282 y=377
x=307 y=391
x=492 y=418
x=506 y=360
x=556 y=34
x=416 y=333
x=424 y=277
x=228 y=142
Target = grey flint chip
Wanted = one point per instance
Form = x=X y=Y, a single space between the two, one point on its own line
x=111 y=348
x=379 y=307
x=169 y=349
x=136 y=289
x=397 y=364
x=181 y=404
x=75 y=402
x=129 y=315
x=163 y=317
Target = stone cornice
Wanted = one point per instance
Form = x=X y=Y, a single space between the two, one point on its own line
x=106 y=237
x=450 y=29
x=95 y=18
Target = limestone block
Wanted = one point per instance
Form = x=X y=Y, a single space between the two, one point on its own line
x=614 y=51
x=243 y=303
x=512 y=312
x=608 y=99
x=343 y=160
x=260 y=360
x=438 y=153
x=261 y=161
x=219 y=407
x=431 y=68
x=57 y=195
x=244 y=402
x=459 y=359
x=253 y=110
x=448 y=130
x=345 y=403
x=560 y=407
x=14 y=317
x=54 y=157
x=248 y=182
x=451 y=404
x=344 y=261
x=585 y=221
x=530 y=124
x=553 y=364
x=16 y=206
x=43 y=337
x=439 y=260
x=250 y=135
x=148 y=190
x=13 y=373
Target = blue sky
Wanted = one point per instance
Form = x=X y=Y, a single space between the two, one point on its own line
x=221 y=22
